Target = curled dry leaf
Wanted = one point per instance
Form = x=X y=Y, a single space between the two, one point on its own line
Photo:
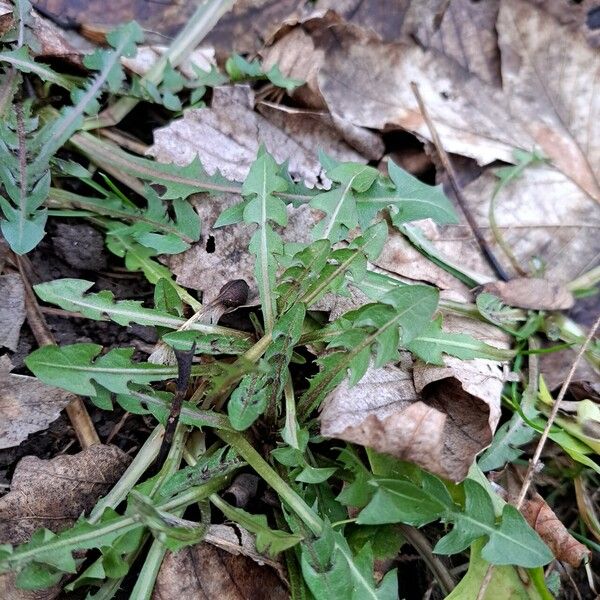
x=205 y=572
x=437 y=417
x=12 y=309
x=53 y=494
x=534 y=293
x=26 y=404
x=563 y=545
x=227 y=137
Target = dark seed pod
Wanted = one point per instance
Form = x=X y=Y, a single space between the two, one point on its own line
x=234 y=293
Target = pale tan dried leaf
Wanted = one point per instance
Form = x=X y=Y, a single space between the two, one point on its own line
x=553 y=75
x=467 y=33
x=549 y=527
x=440 y=425
x=534 y=293
x=227 y=137
x=320 y=130
x=543 y=217
x=147 y=56
x=26 y=405
x=222 y=253
x=368 y=84
x=549 y=98
x=204 y=572
x=12 y=309
x=53 y=494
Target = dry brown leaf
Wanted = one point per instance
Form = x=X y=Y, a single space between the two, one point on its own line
x=320 y=130
x=204 y=572
x=549 y=527
x=543 y=217
x=440 y=418
x=555 y=367
x=26 y=404
x=227 y=137
x=549 y=98
x=467 y=33
x=12 y=309
x=53 y=494
x=534 y=293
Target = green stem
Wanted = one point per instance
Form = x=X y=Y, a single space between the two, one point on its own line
x=196 y=29
x=237 y=441
x=144 y=458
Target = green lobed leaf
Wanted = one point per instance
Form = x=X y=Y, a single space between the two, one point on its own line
x=331 y=570
x=78 y=366
x=511 y=541
x=70 y=294
x=407 y=199
x=339 y=203
x=271 y=541
x=379 y=329
x=433 y=342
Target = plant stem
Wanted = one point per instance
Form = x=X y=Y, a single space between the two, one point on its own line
x=144 y=458
x=196 y=29
x=267 y=473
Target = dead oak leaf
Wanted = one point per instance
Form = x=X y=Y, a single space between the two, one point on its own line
x=26 y=404
x=53 y=494
x=205 y=572
x=545 y=522
x=543 y=217
x=441 y=429
x=549 y=99
x=227 y=136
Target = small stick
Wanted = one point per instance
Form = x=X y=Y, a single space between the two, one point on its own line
x=541 y=443
x=76 y=410
x=483 y=245
x=561 y=394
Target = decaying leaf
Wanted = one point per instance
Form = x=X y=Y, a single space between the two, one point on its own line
x=12 y=309
x=26 y=404
x=227 y=137
x=53 y=494
x=555 y=366
x=440 y=425
x=534 y=293
x=548 y=89
x=206 y=572
x=563 y=545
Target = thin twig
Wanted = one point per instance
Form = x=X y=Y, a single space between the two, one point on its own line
x=483 y=245
x=419 y=542
x=563 y=390
x=76 y=410
x=541 y=443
